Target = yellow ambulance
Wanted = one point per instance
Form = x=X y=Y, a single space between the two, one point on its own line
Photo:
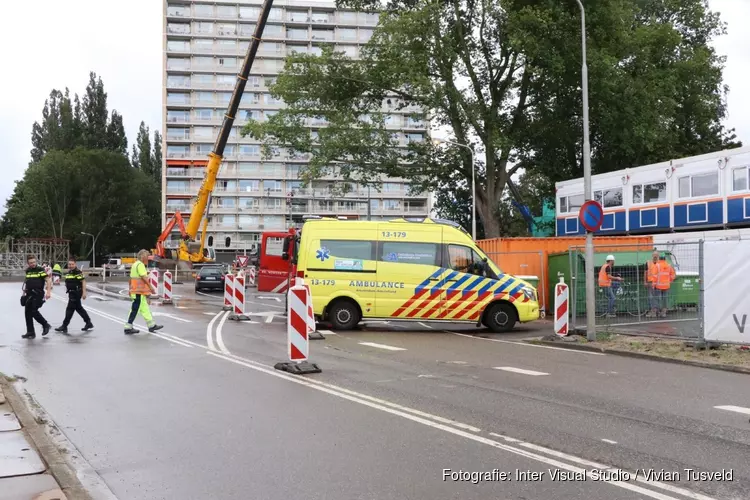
x=429 y=270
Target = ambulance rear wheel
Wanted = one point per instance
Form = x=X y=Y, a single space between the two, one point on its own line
x=500 y=317
x=344 y=315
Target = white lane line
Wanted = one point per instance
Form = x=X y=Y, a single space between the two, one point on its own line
x=209 y=314
x=526 y=344
x=209 y=328
x=269 y=319
x=637 y=476
x=519 y=370
x=183 y=344
x=609 y=441
x=737 y=409
x=327 y=332
x=264 y=304
x=382 y=346
x=210 y=296
x=367 y=401
x=219 y=337
x=458 y=362
x=172 y=316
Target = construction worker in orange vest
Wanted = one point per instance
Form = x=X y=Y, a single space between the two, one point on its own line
x=140 y=290
x=663 y=277
x=650 y=280
x=605 y=281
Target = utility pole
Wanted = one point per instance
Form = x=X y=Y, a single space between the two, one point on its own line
x=588 y=191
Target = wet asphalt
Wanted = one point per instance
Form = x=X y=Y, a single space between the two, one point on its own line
x=199 y=411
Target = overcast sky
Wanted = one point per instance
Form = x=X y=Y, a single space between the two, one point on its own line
x=60 y=42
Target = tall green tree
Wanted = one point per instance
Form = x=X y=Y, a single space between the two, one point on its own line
x=503 y=77
x=156 y=158
x=141 y=154
x=116 y=138
x=95 y=115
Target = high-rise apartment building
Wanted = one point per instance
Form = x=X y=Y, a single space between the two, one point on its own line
x=204 y=46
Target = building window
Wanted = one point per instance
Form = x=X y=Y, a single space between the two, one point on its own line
x=316 y=50
x=204 y=149
x=178 y=28
x=177 y=98
x=203 y=44
x=226 y=29
x=248 y=202
x=178 y=81
x=225 y=81
x=370 y=18
x=224 y=97
x=202 y=80
x=275 y=203
x=177 y=116
x=297 y=16
x=571 y=203
x=178 y=45
x=205 y=96
x=609 y=198
x=178 y=133
x=203 y=132
x=202 y=27
x=740 y=179
x=249 y=150
x=276 y=14
x=414 y=138
x=226 y=11
x=325 y=35
x=349 y=50
x=223 y=202
x=272 y=186
x=694 y=186
x=250 y=185
x=250 y=13
x=347 y=17
x=178 y=63
x=227 y=62
x=204 y=114
x=365 y=35
x=252 y=114
x=177 y=151
x=249 y=98
x=361 y=250
x=274 y=31
x=203 y=10
x=228 y=46
x=409 y=253
x=322 y=17
x=178 y=10
x=269 y=99
x=205 y=62
x=248 y=221
x=296 y=34
x=650 y=193
x=246 y=168
x=392 y=204
x=347 y=34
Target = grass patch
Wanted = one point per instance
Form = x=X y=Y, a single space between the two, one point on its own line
x=675 y=349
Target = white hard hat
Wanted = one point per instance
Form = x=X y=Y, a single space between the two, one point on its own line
x=610 y=257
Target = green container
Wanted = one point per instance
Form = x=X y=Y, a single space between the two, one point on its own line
x=685 y=290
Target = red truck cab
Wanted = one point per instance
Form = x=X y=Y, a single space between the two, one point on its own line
x=274 y=270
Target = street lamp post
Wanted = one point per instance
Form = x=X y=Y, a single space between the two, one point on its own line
x=473 y=186
x=93 y=249
x=588 y=192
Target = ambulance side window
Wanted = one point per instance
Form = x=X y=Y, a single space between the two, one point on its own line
x=466 y=260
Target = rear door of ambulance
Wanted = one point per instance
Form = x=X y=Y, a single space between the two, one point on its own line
x=340 y=261
x=410 y=277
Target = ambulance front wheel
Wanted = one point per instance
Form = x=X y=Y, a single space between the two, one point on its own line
x=500 y=317
x=344 y=314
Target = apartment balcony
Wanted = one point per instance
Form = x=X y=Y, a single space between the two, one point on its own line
x=182 y=190
x=323 y=18
x=182 y=29
x=178 y=119
x=178 y=154
x=177 y=208
x=297 y=18
x=220 y=209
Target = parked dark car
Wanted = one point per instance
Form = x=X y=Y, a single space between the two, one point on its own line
x=210 y=278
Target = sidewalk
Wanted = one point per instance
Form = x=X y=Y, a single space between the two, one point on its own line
x=24 y=475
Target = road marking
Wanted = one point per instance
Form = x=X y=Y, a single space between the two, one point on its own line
x=210 y=296
x=264 y=304
x=327 y=332
x=209 y=338
x=388 y=408
x=457 y=362
x=382 y=346
x=609 y=441
x=426 y=326
x=171 y=316
x=594 y=465
x=269 y=319
x=526 y=344
x=268 y=298
x=209 y=314
x=219 y=337
x=519 y=370
x=737 y=409
x=179 y=342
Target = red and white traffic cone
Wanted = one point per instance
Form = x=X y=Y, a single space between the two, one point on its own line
x=167 y=292
x=238 y=313
x=298 y=341
x=561 y=308
x=228 y=292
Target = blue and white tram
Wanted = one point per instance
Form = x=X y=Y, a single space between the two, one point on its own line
x=710 y=191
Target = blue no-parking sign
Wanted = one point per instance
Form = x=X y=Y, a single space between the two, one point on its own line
x=591 y=216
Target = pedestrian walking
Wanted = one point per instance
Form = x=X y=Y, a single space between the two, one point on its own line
x=37 y=288
x=140 y=291
x=75 y=287
x=606 y=280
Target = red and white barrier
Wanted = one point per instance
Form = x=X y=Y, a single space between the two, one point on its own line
x=228 y=292
x=298 y=325
x=167 y=292
x=153 y=279
x=251 y=276
x=561 y=308
x=239 y=294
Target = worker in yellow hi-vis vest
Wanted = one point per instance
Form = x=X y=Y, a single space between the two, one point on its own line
x=140 y=291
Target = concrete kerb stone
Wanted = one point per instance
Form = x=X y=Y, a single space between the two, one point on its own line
x=106 y=293
x=639 y=355
x=53 y=457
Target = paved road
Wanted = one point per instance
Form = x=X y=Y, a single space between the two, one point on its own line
x=199 y=412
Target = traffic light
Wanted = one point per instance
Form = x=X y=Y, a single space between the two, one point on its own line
x=227 y=241
x=210 y=241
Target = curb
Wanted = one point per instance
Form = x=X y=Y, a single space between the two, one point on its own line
x=640 y=355
x=99 y=291
x=57 y=466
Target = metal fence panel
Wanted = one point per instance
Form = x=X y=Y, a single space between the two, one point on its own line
x=634 y=303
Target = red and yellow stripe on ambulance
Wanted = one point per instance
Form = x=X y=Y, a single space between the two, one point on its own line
x=407 y=271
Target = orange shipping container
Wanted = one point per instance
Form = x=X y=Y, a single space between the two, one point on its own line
x=529 y=256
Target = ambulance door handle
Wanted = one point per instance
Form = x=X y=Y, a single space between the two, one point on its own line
x=434 y=279
x=452 y=281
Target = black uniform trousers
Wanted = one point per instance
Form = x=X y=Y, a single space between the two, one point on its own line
x=75 y=305
x=34 y=302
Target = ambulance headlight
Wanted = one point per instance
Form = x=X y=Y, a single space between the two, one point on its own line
x=529 y=292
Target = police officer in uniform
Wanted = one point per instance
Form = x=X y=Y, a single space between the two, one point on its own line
x=75 y=286
x=37 y=288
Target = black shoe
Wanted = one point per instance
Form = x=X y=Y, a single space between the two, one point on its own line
x=152 y=329
x=62 y=329
x=131 y=331
x=89 y=326
x=29 y=335
x=46 y=329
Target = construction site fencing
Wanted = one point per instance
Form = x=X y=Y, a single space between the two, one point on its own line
x=667 y=301
x=529 y=266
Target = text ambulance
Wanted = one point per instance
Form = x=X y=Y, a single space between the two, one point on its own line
x=399 y=270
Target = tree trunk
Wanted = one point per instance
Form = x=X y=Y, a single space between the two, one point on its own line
x=486 y=213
